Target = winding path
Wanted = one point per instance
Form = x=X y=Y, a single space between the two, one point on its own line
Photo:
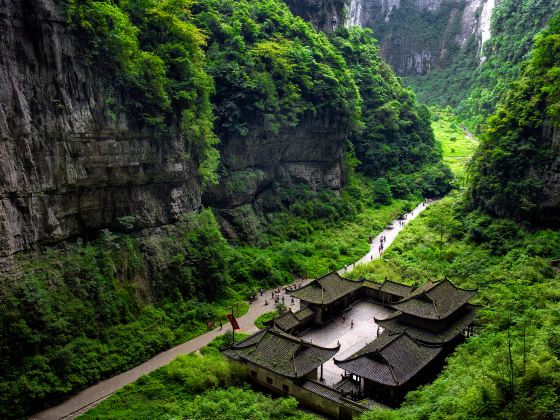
x=90 y=397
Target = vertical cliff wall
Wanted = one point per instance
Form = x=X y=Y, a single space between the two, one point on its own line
x=67 y=166
x=254 y=166
x=326 y=15
x=417 y=36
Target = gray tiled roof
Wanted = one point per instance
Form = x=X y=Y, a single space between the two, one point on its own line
x=289 y=319
x=434 y=300
x=397 y=289
x=304 y=313
x=394 y=325
x=331 y=394
x=286 y=321
x=281 y=353
x=390 y=360
x=326 y=289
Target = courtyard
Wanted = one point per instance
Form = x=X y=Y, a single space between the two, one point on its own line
x=351 y=339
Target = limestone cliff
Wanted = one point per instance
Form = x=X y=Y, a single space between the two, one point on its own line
x=417 y=36
x=550 y=204
x=326 y=15
x=256 y=165
x=71 y=166
x=67 y=167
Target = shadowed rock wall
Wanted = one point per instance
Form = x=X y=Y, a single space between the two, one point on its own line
x=66 y=167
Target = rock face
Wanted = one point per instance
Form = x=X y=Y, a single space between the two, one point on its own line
x=326 y=15
x=70 y=167
x=550 y=206
x=67 y=167
x=255 y=165
x=417 y=36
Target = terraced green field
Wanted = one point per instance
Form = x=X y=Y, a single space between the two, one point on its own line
x=458 y=146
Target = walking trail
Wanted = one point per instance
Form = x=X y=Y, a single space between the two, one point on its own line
x=90 y=397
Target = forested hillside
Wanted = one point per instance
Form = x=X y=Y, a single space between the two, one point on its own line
x=396 y=142
x=473 y=83
x=515 y=172
x=247 y=102
x=163 y=160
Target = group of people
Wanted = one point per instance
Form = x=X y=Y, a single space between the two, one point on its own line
x=275 y=295
x=382 y=241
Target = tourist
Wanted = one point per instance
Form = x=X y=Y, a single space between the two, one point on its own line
x=352 y=324
x=221 y=325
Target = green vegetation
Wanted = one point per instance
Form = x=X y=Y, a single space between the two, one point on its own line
x=153 y=56
x=261 y=321
x=473 y=87
x=518 y=293
x=458 y=146
x=397 y=139
x=271 y=68
x=317 y=234
x=517 y=152
x=196 y=386
x=90 y=310
x=200 y=70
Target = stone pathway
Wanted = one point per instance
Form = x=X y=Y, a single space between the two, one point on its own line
x=90 y=397
x=390 y=233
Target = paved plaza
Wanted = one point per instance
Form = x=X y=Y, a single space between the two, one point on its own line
x=351 y=339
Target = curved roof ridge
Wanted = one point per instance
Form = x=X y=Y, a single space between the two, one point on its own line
x=249 y=341
x=457 y=287
x=394 y=315
x=391 y=369
x=419 y=291
x=359 y=353
x=432 y=285
x=382 y=346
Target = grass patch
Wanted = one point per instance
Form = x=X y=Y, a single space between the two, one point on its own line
x=261 y=321
x=457 y=146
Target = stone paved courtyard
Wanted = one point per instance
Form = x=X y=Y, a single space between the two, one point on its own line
x=351 y=339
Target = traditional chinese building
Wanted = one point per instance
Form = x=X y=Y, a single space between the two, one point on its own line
x=436 y=313
x=390 y=366
x=286 y=364
x=426 y=324
x=328 y=296
x=294 y=322
x=387 y=292
x=416 y=337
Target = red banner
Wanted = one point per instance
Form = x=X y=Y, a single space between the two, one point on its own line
x=233 y=321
